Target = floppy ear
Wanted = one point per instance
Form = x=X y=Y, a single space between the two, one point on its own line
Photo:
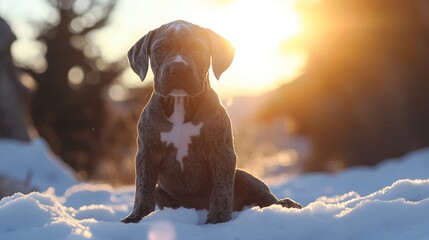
x=138 y=55
x=222 y=53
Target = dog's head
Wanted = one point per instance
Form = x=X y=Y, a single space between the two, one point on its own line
x=180 y=54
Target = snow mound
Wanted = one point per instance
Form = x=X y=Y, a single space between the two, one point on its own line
x=362 y=180
x=398 y=211
x=19 y=160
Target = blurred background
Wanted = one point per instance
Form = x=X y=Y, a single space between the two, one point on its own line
x=314 y=86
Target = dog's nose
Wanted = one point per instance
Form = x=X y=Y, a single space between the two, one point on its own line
x=177 y=70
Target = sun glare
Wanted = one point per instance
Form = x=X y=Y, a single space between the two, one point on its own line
x=251 y=23
x=257 y=29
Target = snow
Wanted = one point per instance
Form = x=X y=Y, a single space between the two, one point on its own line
x=389 y=201
x=19 y=159
x=363 y=180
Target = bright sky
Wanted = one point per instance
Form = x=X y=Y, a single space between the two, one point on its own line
x=256 y=28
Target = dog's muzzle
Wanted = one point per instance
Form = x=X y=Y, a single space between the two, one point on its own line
x=179 y=78
x=178 y=72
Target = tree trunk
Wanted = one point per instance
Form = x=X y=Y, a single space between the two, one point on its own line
x=12 y=93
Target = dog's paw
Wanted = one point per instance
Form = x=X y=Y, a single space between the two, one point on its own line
x=131 y=219
x=218 y=218
x=288 y=203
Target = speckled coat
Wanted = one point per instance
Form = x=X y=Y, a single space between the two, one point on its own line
x=209 y=178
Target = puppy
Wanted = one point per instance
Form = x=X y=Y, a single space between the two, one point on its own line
x=186 y=154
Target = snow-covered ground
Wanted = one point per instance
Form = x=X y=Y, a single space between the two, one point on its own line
x=389 y=201
x=34 y=160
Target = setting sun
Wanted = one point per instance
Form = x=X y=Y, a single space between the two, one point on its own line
x=257 y=29
x=250 y=24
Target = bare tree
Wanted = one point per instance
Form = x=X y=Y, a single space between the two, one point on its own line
x=68 y=108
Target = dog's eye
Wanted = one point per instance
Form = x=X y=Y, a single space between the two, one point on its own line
x=159 y=50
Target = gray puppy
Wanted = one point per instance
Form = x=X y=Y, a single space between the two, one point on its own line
x=186 y=154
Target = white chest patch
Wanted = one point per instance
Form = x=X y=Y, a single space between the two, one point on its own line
x=181 y=133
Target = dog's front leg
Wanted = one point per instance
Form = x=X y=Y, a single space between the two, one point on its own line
x=146 y=178
x=221 y=199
